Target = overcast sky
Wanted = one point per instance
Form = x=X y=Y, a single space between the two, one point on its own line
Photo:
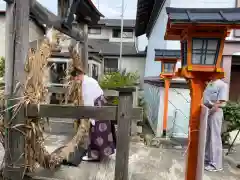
x=109 y=8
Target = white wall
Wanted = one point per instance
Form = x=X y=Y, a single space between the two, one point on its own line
x=156 y=40
x=106 y=33
x=132 y=64
x=178 y=112
x=135 y=64
x=34 y=33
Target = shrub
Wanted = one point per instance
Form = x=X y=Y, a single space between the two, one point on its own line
x=231 y=119
x=118 y=79
x=2 y=66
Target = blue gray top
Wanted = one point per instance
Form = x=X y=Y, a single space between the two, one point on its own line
x=215 y=91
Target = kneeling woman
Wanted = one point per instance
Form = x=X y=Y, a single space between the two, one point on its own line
x=102 y=138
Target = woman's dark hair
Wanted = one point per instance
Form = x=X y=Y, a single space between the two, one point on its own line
x=76 y=72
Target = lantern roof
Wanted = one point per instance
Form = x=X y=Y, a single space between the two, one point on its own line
x=182 y=18
x=167 y=54
x=204 y=15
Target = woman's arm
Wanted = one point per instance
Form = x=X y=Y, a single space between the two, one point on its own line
x=222 y=96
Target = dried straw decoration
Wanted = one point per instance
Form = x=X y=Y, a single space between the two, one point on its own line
x=35 y=92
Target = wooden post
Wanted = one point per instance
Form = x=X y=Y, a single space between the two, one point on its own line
x=196 y=90
x=123 y=133
x=9 y=60
x=85 y=48
x=63 y=6
x=15 y=141
x=202 y=142
x=165 y=114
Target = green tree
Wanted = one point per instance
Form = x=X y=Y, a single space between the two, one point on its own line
x=2 y=66
x=231 y=120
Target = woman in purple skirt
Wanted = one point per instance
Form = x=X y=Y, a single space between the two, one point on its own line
x=102 y=137
x=102 y=141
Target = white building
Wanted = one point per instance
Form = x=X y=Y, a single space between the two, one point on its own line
x=36 y=31
x=105 y=38
x=152 y=20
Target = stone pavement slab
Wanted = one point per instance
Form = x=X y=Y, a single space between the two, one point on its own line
x=145 y=163
x=233 y=157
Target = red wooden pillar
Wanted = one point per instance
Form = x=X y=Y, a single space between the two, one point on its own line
x=165 y=112
x=196 y=90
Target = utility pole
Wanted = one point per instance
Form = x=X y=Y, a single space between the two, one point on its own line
x=122 y=16
x=17 y=41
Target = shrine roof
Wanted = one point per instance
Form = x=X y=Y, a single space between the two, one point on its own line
x=204 y=15
x=167 y=53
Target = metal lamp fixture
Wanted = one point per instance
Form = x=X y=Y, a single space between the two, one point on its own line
x=202 y=33
x=168 y=67
x=201 y=53
x=167 y=73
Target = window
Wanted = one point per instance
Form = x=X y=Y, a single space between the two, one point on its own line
x=127 y=33
x=205 y=51
x=168 y=67
x=110 y=65
x=94 y=30
x=58 y=72
x=95 y=71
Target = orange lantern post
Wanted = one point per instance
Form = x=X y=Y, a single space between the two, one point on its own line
x=202 y=33
x=167 y=73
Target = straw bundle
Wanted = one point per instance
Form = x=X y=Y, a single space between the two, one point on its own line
x=35 y=92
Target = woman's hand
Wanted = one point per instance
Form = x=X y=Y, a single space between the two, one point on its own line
x=215 y=107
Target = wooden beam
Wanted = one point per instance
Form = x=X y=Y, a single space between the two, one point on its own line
x=85 y=48
x=51 y=20
x=15 y=141
x=123 y=135
x=57 y=89
x=71 y=10
x=75 y=112
x=111 y=93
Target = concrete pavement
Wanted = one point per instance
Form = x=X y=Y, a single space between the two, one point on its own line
x=145 y=163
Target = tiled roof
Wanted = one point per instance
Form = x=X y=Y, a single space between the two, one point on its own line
x=107 y=48
x=117 y=22
x=204 y=15
x=167 y=53
x=147 y=14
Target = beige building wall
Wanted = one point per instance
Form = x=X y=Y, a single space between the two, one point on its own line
x=35 y=32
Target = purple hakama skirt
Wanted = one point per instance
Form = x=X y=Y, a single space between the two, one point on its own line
x=102 y=136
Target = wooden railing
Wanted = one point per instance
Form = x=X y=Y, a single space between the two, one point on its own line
x=124 y=113
x=135 y=129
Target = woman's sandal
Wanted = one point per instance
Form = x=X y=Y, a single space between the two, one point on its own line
x=86 y=158
x=211 y=168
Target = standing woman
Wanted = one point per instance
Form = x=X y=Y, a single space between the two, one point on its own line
x=102 y=138
x=214 y=97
